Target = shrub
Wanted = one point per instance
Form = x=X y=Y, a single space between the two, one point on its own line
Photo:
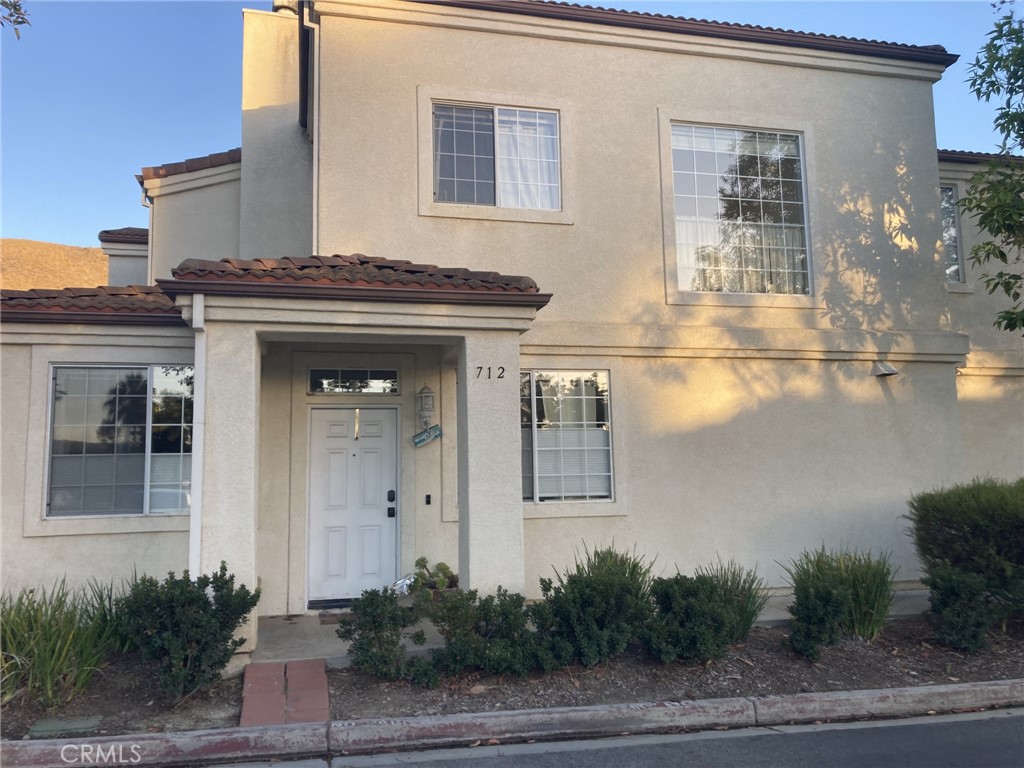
x=741 y=588
x=595 y=610
x=870 y=581
x=977 y=528
x=187 y=626
x=440 y=578
x=693 y=621
x=52 y=641
x=491 y=634
x=376 y=630
x=821 y=601
x=962 y=601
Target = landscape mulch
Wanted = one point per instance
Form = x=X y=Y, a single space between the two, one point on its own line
x=125 y=692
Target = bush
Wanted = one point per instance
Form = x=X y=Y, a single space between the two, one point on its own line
x=741 y=588
x=440 y=578
x=595 y=610
x=962 y=601
x=52 y=641
x=376 y=630
x=821 y=601
x=491 y=634
x=977 y=528
x=694 y=619
x=187 y=626
x=870 y=581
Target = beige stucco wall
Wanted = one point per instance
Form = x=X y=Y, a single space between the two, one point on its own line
x=39 y=551
x=990 y=387
x=193 y=216
x=743 y=426
x=277 y=175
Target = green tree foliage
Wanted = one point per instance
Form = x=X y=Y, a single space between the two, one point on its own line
x=995 y=197
x=13 y=15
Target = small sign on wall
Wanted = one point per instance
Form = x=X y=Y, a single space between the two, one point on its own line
x=428 y=435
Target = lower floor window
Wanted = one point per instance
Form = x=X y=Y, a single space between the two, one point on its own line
x=566 y=435
x=121 y=441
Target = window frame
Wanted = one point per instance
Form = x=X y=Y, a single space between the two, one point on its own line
x=671 y=115
x=146 y=513
x=961 y=263
x=427 y=96
x=535 y=499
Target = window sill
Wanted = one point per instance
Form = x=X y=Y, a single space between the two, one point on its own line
x=556 y=509
x=767 y=300
x=493 y=213
x=959 y=287
x=105 y=525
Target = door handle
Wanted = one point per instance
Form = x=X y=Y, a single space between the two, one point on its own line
x=391 y=495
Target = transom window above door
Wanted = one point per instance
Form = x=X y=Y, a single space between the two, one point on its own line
x=361 y=381
x=496 y=156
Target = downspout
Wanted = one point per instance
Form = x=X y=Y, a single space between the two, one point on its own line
x=310 y=66
x=195 y=525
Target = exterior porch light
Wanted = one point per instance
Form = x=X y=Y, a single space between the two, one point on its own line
x=425 y=405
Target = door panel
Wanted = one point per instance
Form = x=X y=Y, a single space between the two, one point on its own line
x=353 y=464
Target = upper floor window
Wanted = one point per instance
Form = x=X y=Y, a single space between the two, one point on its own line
x=954 y=258
x=497 y=156
x=121 y=440
x=740 y=210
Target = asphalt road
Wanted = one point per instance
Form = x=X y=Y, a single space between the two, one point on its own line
x=976 y=740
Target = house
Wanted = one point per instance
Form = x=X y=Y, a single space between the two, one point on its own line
x=686 y=286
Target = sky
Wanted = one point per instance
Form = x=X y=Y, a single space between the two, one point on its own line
x=94 y=91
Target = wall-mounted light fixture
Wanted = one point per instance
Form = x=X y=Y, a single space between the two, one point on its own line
x=881 y=369
x=425 y=405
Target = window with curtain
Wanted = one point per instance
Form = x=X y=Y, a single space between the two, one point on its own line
x=954 y=259
x=498 y=156
x=566 y=435
x=740 y=210
x=121 y=440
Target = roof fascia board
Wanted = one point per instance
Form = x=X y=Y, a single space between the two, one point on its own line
x=183 y=182
x=251 y=288
x=112 y=248
x=77 y=317
x=479 y=19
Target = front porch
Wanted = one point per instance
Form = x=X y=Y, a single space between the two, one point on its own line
x=307 y=480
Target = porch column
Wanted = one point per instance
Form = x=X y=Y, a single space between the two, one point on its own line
x=490 y=479
x=229 y=455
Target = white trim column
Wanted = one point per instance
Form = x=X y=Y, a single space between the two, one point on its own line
x=489 y=458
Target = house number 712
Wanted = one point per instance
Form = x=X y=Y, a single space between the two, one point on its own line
x=490 y=373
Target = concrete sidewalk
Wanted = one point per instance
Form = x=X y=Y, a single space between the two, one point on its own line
x=327 y=739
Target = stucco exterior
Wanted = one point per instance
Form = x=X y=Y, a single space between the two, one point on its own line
x=746 y=426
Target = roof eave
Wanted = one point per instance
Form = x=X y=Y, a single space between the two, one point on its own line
x=174 y=288
x=78 y=317
x=700 y=27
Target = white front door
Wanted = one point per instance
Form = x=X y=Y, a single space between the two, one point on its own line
x=353 y=504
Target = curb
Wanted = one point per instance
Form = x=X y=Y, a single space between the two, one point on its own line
x=431 y=732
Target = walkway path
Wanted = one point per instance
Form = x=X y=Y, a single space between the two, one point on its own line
x=285 y=692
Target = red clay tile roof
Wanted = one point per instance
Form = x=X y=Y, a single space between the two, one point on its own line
x=354 y=277
x=930 y=54
x=974 y=158
x=106 y=304
x=124 y=235
x=215 y=160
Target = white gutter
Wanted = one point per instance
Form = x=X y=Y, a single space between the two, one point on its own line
x=195 y=525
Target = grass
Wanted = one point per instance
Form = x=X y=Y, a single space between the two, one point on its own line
x=53 y=640
x=742 y=588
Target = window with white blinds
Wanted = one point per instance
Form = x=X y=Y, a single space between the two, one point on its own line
x=566 y=435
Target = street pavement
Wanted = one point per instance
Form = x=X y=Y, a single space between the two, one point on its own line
x=770 y=715
x=971 y=740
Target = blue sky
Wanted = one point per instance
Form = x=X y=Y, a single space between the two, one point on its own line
x=94 y=91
